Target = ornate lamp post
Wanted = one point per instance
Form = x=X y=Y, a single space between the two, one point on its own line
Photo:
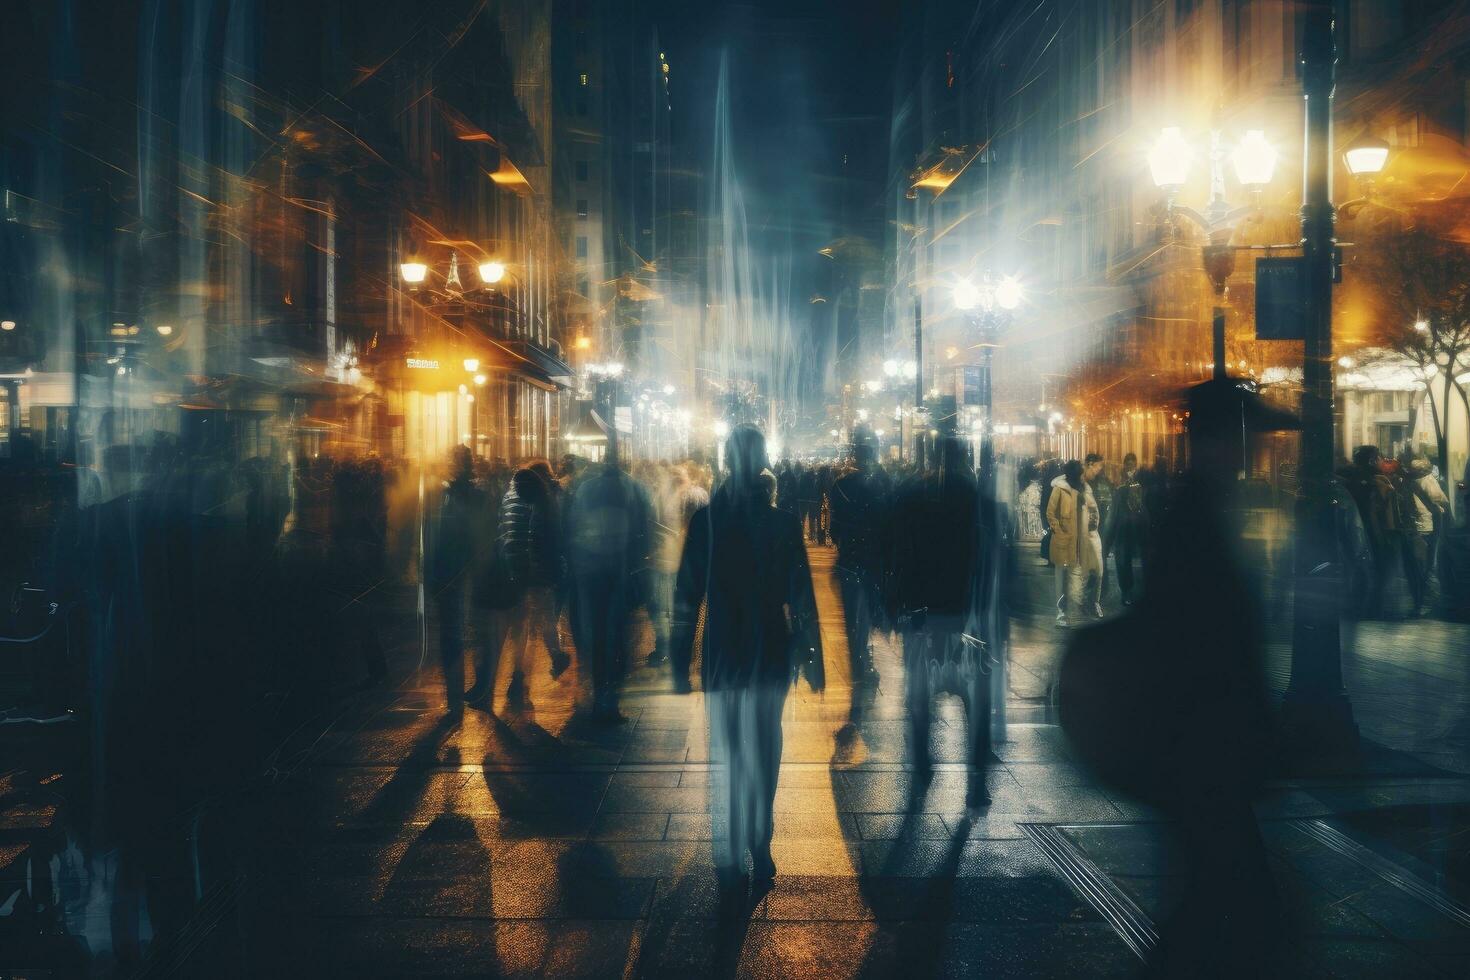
x=1254 y=160
x=988 y=307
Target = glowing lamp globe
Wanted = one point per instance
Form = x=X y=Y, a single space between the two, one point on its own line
x=413 y=272
x=1254 y=159
x=1365 y=156
x=1169 y=159
x=492 y=272
x=966 y=295
x=1008 y=293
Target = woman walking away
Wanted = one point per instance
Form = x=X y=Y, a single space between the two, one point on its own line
x=530 y=547
x=746 y=561
x=1072 y=515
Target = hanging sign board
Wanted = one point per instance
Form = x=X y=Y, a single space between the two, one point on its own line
x=1281 y=313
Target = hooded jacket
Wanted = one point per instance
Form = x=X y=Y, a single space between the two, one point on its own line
x=1073 y=518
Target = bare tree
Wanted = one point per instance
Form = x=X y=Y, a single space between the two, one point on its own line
x=1421 y=285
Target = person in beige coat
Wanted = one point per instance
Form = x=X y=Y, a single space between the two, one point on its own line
x=1076 y=547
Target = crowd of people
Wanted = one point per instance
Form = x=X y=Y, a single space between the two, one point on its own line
x=720 y=569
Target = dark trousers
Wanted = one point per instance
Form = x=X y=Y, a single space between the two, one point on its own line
x=744 y=739
x=1416 y=566
x=600 y=629
x=451 y=644
x=937 y=661
x=1127 y=546
x=858 y=603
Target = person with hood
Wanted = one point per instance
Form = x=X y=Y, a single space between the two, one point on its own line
x=529 y=540
x=745 y=563
x=609 y=543
x=450 y=562
x=1076 y=548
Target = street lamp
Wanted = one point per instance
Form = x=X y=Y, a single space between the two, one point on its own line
x=988 y=307
x=492 y=272
x=1365 y=156
x=413 y=271
x=1254 y=160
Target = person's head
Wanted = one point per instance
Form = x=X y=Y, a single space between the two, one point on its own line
x=1072 y=470
x=1366 y=457
x=461 y=463
x=1130 y=462
x=1419 y=466
x=745 y=455
x=542 y=469
x=1091 y=466
x=863 y=455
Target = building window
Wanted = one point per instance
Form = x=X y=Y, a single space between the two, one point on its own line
x=582 y=286
x=581 y=169
x=582 y=207
x=581 y=246
x=582 y=79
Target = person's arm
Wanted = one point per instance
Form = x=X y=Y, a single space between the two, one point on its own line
x=1054 y=512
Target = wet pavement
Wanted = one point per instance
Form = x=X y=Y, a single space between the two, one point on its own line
x=532 y=842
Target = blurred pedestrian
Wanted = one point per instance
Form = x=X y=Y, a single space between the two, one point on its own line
x=1127 y=526
x=939 y=550
x=609 y=542
x=1072 y=515
x=859 y=512
x=744 y=561
x=451 y=558
x=529 y=538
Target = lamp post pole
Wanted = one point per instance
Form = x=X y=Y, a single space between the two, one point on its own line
x=1316 y=706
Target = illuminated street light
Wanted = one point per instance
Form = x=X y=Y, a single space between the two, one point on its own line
x=7 y=325
x=472 y=364
x=480 y=380
x=1254 y=159
x=1421 y=325
x=413 y=271
x=492 y=272
x=164 y=329
x=890 y=368
x=966 y=295
x=1365 y=156
x=1169 y=159
x=1008 y=293
x=910 y=370
x=721 y=428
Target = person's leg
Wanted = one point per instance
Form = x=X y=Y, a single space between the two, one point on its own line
x=918 y=697
x=519 y=636
x=451 y=648
x=487 y=664
x=544 y=605
x=977 y=722
x=767 y=738
x=1060 y=576
x=1123 y=559
x=720 y=709
x=851 y=586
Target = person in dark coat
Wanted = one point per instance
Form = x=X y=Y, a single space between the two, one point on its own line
x=859 y=510
x=744 y=561
x=1168 y=702
x=450 y=563
x=938 y=549
x=609 y=527
x=1126 y=526
x=529 y=540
